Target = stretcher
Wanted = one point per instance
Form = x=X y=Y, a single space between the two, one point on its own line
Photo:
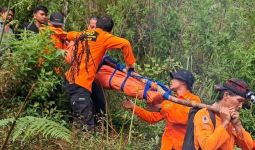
x=112 y=75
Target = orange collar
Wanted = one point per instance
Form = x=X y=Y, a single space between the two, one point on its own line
x=185 y=94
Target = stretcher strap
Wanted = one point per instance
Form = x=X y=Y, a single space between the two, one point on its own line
x=101 y=64
x=147 y=87
x=109 y=59
x=104 y=61
x=139 y=77
x=115 y=69
x=167 y=93
x=125 y=80
x=165 y=88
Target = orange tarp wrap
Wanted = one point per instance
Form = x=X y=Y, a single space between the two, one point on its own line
x=133 y=87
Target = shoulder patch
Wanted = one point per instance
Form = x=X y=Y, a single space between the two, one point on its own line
x=205 y=119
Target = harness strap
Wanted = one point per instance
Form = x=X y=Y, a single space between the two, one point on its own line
x=125 y=80
x=115 y=69
x=147 y=87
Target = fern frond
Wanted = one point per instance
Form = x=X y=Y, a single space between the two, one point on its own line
x=5 y=122
x=21 y=125
x=29 y=127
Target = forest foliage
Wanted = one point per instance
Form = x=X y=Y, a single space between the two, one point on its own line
x=213 y=39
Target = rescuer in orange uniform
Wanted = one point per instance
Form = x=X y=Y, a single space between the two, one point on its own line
x=228 y=129
x=175 y=115
x=90 y=48
x=58 y=35
x=56 y=24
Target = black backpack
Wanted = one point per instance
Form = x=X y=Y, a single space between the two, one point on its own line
x=188 y=143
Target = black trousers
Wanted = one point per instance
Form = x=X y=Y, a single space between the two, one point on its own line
x=98 y=101
x=86 y=105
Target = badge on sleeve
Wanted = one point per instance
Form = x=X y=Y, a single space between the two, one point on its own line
x=205 y=119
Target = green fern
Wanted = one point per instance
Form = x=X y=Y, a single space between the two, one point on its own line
x=5 y=122
x=29 y=127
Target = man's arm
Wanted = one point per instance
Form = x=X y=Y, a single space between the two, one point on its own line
x=114 y=42
x=150 y=117
x=72 y=35
x=243 y=138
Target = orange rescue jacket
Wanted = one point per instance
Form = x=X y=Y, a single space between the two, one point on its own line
x=208 y=138
x=58 y=37
x=99 y=41
x=175 y=116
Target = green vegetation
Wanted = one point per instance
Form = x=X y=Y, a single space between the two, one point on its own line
x=214 y=39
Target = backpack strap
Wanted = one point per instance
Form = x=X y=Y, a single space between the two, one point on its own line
x=212 y=116
x=188 y=143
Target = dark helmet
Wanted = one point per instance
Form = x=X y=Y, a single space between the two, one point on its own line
x=185 y=76
x=57 y=19
x=237 y=86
